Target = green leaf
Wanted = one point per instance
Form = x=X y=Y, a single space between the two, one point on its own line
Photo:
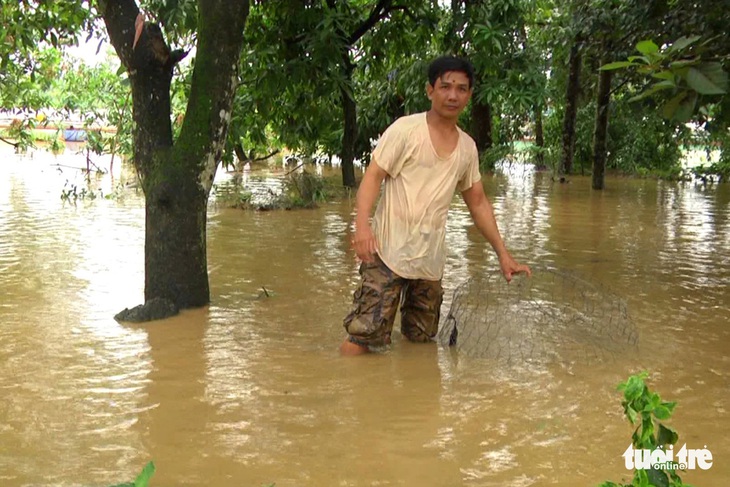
x=657 y=478
x=641 y=58
x=686 y=108
x=666 y=436
x=669 y=405
x=662 y=412
x=143 y=478
x=647 y=47
x=631 y=414
x=708 y=82
x=634 y=387
x=668 y=75
x=674 y=65
x=671 y=106
x=683 y=42
x=616 y=65
x=640 y=479
x=656 y=87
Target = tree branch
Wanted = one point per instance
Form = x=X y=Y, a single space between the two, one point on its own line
x=618 y=87
x=376 y=15
x=14 y=144
x=178 y=55
x=266 y=157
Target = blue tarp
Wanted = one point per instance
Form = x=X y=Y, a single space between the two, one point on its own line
x=74 y=135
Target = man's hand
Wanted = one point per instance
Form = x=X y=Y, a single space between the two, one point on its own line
x=510 y=267
x=364 y=242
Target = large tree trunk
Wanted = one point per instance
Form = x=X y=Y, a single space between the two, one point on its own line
x=481 y=125
x=349 y=134
x=603 y=97
x=539 y=138
x=571 y=108
x=177 y=177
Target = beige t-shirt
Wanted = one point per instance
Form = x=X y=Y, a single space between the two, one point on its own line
x=410 y=220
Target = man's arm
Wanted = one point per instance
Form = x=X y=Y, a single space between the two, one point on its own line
x=364 y=241
x=482 y=213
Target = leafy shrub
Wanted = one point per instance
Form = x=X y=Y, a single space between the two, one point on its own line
x=489 y=158
x=303 y=190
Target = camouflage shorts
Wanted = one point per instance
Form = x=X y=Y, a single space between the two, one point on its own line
x=376 y=301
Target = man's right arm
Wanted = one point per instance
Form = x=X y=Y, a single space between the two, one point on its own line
x=364 y=241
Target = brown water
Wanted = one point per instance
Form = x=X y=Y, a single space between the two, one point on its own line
x=249 y=392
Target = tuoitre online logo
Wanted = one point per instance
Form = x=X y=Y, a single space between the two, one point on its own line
x=660 y=459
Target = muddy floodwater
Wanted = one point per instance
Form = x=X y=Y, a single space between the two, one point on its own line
x=251 y=391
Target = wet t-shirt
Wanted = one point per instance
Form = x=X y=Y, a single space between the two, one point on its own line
x=410 y=219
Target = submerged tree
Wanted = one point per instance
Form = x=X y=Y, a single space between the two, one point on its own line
x=177 y=175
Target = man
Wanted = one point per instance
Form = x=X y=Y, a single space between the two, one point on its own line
x=423 y=159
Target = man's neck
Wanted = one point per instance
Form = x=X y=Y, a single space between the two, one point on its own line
x=440 y=123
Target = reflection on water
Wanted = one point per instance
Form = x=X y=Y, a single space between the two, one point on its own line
x=250 y=390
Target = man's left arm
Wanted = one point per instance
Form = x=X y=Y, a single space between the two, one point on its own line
x=482 y=213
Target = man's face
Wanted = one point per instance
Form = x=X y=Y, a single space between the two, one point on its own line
x=450 y=94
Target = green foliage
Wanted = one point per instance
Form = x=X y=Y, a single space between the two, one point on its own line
x=509 y=62
x=489 y=158
x=683 y=75
x=233 y=196
x=298 y=190
x=303 y=190
x=719 y=170
x=26 y=83
x=21 y=131
x=642 y=142
x=178 y=19
x=300 y=57
x=647 y=409
x=72 y=194
x=360 y=49
x=102 y=95
x=143 y=479
x=639 y=141
x=26 y=24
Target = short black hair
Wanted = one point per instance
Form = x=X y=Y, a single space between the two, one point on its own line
x=444 y=64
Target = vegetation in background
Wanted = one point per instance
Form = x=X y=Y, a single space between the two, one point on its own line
x=297 y=190
x=373 y=55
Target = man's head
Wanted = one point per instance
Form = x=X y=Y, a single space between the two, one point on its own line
x=446 y=64
x=450 y=85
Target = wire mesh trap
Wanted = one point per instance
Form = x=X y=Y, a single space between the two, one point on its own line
x=552 y=316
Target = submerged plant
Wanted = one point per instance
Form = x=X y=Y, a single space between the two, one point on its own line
x=646 y=408
x=143 y=479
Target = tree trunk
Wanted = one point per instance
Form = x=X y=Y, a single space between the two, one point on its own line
x=349 y=134
x=481 y=125
x=539 y=138
x=571 y=109
x=177 y=177
x=600 y=132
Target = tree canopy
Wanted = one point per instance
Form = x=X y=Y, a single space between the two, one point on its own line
x=326 y=77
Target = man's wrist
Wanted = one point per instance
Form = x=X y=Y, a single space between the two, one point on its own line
x=361 y=221
x=501 y=252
